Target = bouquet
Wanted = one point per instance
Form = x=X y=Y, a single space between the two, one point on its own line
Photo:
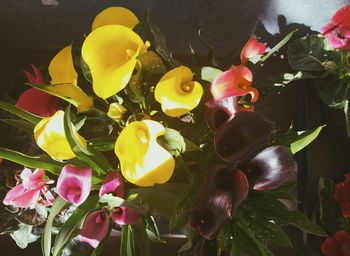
x=123 y=134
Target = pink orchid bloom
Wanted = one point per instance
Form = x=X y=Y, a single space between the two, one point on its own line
x=95 y=228
x=36 y=101
x=337 y=31
x=125 y=215
x=26 y=195
x=234 y=82
x=252 y=49
x=74 y=184
x=113 y=183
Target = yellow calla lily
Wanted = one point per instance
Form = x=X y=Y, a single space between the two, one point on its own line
x=177 y=93
x=64 y=81
x=143 y=161
x=110 y=52
x=50 y=137
x=116 y=111
x=115 y=16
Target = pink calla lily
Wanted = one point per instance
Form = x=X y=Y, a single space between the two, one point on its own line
x=74 y=184
x=95 y=228
x=113 y=183
x=252 y=49
x=125 y=215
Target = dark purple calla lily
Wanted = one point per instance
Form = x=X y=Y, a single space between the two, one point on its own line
x=239 y=138
x=271 y=167
x=217 y=113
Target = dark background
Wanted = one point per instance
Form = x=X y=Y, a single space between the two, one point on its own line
x=32 y=32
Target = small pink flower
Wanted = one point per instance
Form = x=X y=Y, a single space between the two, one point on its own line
x=236 y=81
x=74 y=184
x=252 y=49
x=95 y=228
x=36 y=101
x=125 y=215
x=113 y=183
x=27 y=194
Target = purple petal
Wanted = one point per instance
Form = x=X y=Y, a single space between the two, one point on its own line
x=95 y=228
x=125 y=216
x=113 y=183
x=272 y=167
x=74 y=184
x=217 y=113
x=242 y=136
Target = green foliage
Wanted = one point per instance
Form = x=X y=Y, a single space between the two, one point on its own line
x=209 y=74
x=127 y=244
x=34 y=119
x=23 y=125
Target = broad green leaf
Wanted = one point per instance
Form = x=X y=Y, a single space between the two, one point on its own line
x=278 y=46
x=127 y=245
x=57 y=207
x=20 y=113
x=336 y=93
x=330 y=213
x=172 y=141
x=32 y=161
x=68 y=229
x=209 y=74
x=23 y=125
x=140 y=239
x=305 y=138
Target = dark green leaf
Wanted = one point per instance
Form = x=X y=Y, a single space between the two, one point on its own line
x=32 y=161
x=127 y=246
x=152 y=229
x=103 y=243
x=23 y=125
x=102 y=144
x=20 y=113
x=336 y=93
x=140 y=239
x=223 y=238
x=57 y=207
x=69 y=228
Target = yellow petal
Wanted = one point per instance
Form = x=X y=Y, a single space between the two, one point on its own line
x=115 y=16
x=177 y=93
x=110 y=52
x=116 y=111
x=143 y=161
x=50 y=137
x=61 y=68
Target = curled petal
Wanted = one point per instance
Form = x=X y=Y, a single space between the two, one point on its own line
x=252 y=49
x=115 y=16
x=217 y=113
x=74 y=184
x=110 y=52
x=33 y=180
x=21 y=197
x=116 y=111
x=61 y=68
x=210 y=210
x=341 y=18
x=240 y=137
x=273 y=166
x=177 y=93
x=113 y=183
x=49 y=135
x=234 y=82
x=125 y=216
x=95 y=228
x=143 y=161
x=342 y=191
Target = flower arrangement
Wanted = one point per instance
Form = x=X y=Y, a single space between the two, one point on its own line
x=124 y=134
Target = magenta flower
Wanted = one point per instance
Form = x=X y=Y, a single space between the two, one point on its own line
x=36 y=101
x=26 y=195
x=252 y=49
x=113 y=183
x=74 y=183
x=125 y=215
x=95 y=228
x=337 y=31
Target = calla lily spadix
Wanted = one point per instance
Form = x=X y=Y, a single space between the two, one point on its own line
x=50 y=136
x=115 y=15
x=111 y=53
x=177 y=93
x=143 y=161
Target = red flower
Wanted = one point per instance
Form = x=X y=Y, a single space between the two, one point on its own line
x=36 y=101
x=337 y=31
x=337 y=245
x=251 y=49
x=342 y=195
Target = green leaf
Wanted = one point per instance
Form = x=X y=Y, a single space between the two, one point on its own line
x=114 y=201
x=101 y=144
x=32 y=161
x=127 y=246
x=152 y=229
x=68 y=229
x=134 y=90
x=172 y=141
x=223 y=238
x=330 y=213
x=86 y=70
x=278 y=46
x=57 y=207
x=23 y=125
x=140 y=239
x=209 y=74
x=34 y=119
x=305 y=138
x=336 y=93
x=98 y=251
